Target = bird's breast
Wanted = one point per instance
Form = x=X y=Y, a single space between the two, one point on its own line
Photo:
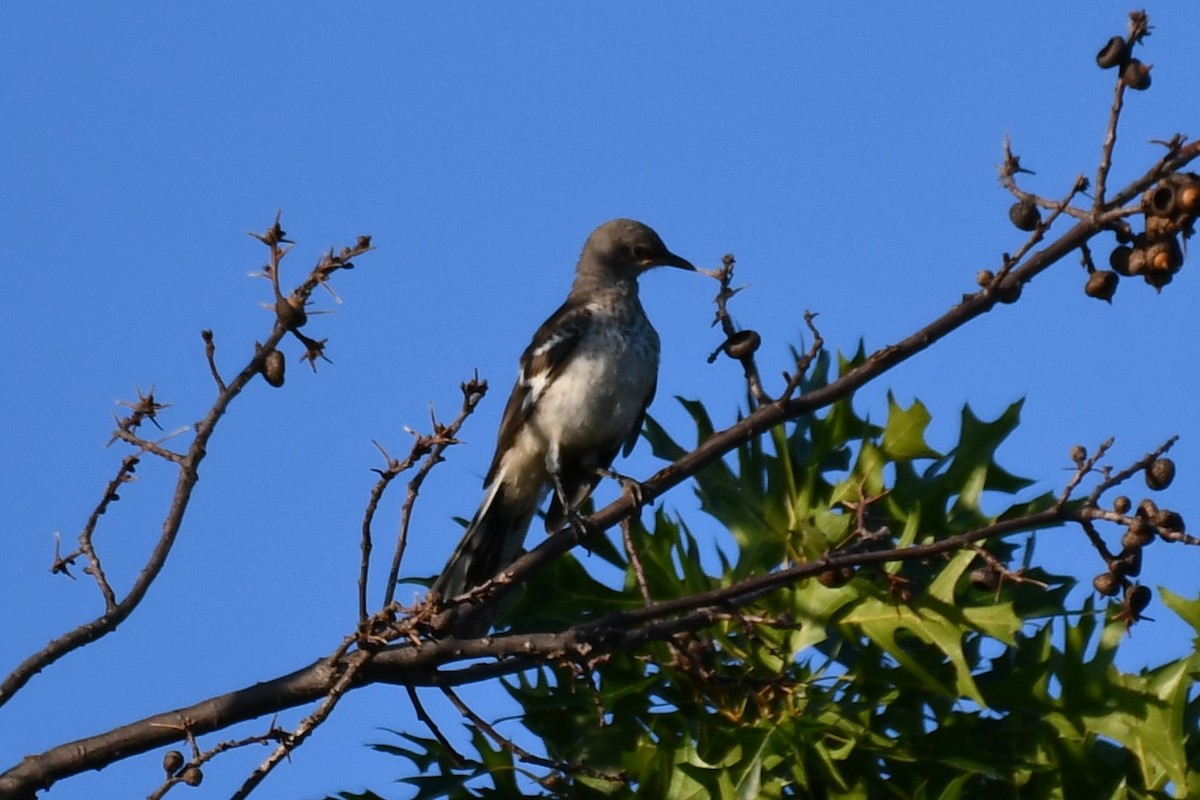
x=598 y=396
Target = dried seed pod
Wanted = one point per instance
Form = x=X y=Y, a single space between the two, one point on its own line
x=984 y=277
x=192 y=776
x=833 y=578
x=1113 y=54
x=1102 y=285
x=1147 y=508
x=1160 y=200
x=985 y=579
x=1139 y=534
x=1164 y=254
x=1136 y=262
x=291 y=314
x=1187 y=199
x=1078 y=454
x=1121 y=504
x=1158 y=279
x=1106 y=584
x=1025 y=215
x=1137 y=597
x=1009 y=290
x=172 y=761
x=1136 y=75
x=1128 y=563
x=273 y=368
x=1158 y=227
x=1169 y=521
x=1118 y=259
x=1160 y=473
x=1143 y=530
x=742 y=344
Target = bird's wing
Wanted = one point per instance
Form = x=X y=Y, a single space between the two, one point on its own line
x=541 y=362
x=636 y=430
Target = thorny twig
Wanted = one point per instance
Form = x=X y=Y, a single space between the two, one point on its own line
x=302 y=731
x=1139 y=28
x=210 y=354
x=394 y=468
x=443 y=436
x=147 y=408
x=739 y=345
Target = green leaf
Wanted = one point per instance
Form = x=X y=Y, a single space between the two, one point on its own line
x=904 y=433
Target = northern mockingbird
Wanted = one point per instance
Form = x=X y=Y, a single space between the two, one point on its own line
x=585 y=381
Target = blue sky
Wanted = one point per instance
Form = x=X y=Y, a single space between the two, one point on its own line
x=845 y=154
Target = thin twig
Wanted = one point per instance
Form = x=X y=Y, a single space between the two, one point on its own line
x=520 y=752
x=443 y=436
x=739 y=345
x=423 y=715
x=1120 y=477
x=635 y=560
x=1082 y=470
x=210 y=353
x=300 y=734
x=146 y=409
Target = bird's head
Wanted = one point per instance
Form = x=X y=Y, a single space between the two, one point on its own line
x=627 y=248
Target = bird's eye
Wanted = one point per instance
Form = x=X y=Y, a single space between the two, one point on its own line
x=642 y=252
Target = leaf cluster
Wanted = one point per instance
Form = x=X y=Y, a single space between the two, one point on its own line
x=903 y=679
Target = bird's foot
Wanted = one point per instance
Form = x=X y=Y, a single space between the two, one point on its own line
x=629 y=486
x=570 y=513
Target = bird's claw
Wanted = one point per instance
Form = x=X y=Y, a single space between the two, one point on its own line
x=629 y=486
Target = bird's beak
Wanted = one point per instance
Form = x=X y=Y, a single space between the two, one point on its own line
x=672 y=260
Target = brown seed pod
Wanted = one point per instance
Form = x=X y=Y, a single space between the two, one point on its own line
x=192 y=776
x=833 y=578
x=1009 y=290
x=1102 y=285
x=1158 y=279
x=1132 y=541
x=985 y=579
x=1160 y=473
x=1106 y=584
x=1121 y=504
x=1164 y=254
x=1128 y=563
x=1160 y=200
x=984 y=277
x=1187 y=199
x=1169 y=521
x=1136 y=75
x=172 y=761
x=291 y=314
x=1136 y=263
x=1025 y=215
x=1118 y=259
x=273 y=368
x=1137 y=597
x=1078 y=454
x=1159 y=227
x=742 y=344
x=1147 y=508
x=1113 y=54
x=1139 y=534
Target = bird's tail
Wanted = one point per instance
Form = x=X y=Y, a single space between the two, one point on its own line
x=491 y=542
